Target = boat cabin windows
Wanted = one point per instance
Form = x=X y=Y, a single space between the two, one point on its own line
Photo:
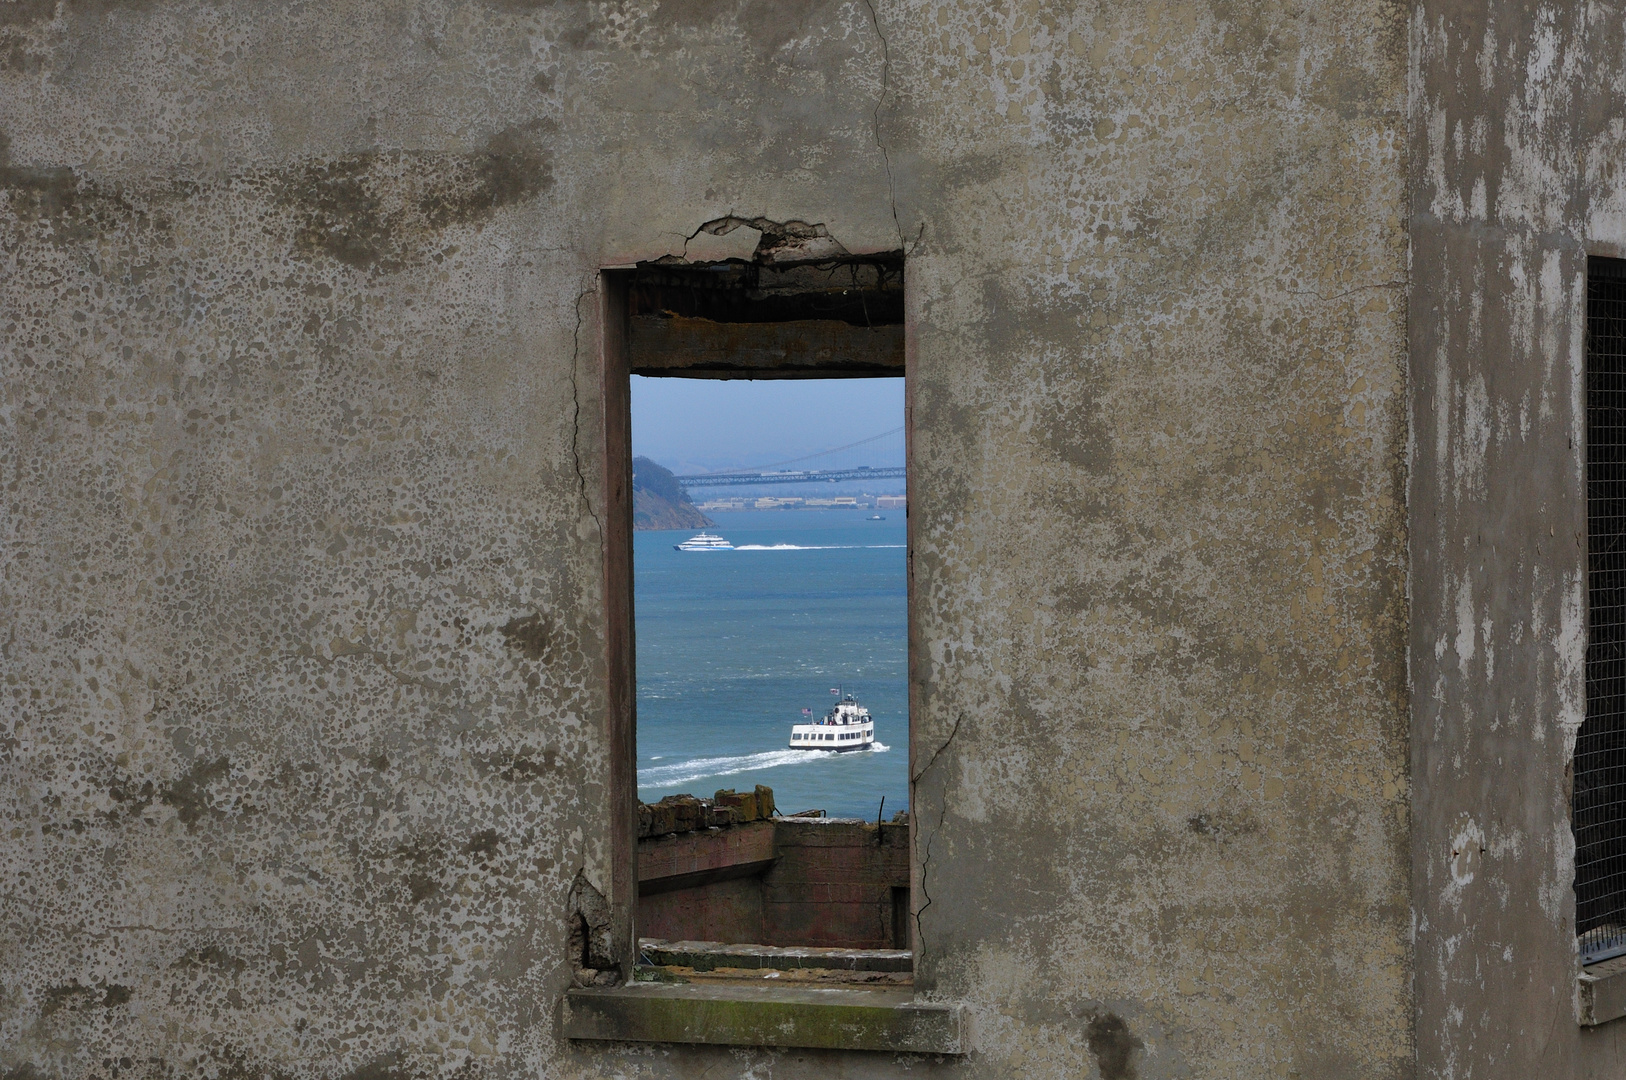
x=759 y=611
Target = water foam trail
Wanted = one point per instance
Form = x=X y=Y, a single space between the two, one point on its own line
x=813 y=547
x=687 y=772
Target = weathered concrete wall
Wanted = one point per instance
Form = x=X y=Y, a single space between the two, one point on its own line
x=1516 y=146
x=303 y=770
x=1159 y=414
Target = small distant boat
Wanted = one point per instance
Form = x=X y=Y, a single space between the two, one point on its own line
x=847 y=726
x=704 y=542
x=875 y=517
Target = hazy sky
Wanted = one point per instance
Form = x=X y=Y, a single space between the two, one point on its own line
x=711 y=423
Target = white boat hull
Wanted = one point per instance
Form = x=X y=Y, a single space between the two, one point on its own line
x=839 y=738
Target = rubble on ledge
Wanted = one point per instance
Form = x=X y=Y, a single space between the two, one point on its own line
x=687 y=813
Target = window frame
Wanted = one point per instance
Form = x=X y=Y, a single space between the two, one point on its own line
x=1605 y=660
x=616 y=368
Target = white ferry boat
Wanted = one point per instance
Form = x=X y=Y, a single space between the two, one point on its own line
x=847 y=726
x=704 y=542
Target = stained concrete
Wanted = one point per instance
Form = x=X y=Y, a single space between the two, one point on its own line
x=1516 y=143
x=305 y=765
x=774 y=1015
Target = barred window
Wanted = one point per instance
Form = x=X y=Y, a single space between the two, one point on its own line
x=1599 y=806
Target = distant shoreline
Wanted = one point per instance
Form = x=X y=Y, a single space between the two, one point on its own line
x=767 y=502
x=754 y=509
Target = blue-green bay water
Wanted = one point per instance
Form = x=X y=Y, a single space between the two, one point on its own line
x=732 y=645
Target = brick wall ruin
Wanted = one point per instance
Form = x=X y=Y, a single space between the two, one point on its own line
x=770 y=880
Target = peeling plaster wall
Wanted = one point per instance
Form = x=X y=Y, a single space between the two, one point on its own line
x=1159 y=435
x=303 y=769
x=1516 y=146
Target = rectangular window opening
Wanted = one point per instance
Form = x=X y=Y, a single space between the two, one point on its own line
x=750 y=862
x=1599 y=796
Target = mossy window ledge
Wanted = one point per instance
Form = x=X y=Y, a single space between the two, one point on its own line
x=830 y=1019
x=1603 y=992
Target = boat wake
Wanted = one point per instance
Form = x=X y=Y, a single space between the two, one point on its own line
x=687 y=772
x=813 y=547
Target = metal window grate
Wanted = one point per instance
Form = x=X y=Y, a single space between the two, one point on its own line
x=1599 y=804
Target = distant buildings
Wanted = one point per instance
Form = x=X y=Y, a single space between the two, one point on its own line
x=796 y=502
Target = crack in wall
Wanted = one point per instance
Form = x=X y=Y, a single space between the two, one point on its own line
x=938 y=752
x=942 y=815
x=576 y=403
x=698 y=230
x=875 y=118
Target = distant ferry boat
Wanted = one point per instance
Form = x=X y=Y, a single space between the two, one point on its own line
x=876 y=517
x=704 y=542
x=847 y=726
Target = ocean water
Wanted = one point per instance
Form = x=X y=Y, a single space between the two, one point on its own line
x=732 y=645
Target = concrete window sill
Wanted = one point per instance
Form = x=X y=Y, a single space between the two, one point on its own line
x=756 y=1015
x=691 y=961
x=1603 y=992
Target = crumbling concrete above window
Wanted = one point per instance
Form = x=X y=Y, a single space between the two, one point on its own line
x=782 y=241
x=807 y=318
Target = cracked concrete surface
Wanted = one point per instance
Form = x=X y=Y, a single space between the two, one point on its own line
x=576 y=409
x=304 y=753
x=924 y=844
x=880 y=102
